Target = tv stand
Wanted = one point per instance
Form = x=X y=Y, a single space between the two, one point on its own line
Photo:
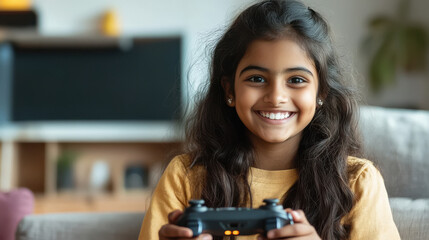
x=30 y=153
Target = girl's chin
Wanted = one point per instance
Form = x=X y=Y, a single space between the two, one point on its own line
x=276 y=138
x=273 y=140
x=276 y=141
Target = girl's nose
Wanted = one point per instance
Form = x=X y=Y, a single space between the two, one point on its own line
x=276 y=95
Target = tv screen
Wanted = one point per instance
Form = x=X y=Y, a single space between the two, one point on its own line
x=55 y=82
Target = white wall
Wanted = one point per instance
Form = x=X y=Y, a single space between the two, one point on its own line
x=198 y=20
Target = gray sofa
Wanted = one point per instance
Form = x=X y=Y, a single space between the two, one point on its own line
x=80 y=226
x=396 y=140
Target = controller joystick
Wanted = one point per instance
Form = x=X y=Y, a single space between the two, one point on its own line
x=232 y=221
x=196 y=206
x=270 y=201
x=272 y=204
x=196 y=202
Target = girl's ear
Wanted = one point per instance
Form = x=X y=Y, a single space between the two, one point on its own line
x=227 y=88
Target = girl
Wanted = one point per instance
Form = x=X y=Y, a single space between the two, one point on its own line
x=278 y=120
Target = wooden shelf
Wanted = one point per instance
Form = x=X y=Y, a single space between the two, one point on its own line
x=157 y=131
x=29 y=152
x=36 y=164
x=33 y=165
x=137 y=201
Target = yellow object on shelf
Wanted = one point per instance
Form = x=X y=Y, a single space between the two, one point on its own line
x=110 y=23
x=15 y=5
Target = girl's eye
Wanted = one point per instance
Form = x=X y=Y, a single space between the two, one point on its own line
x=256 y=79
x=296 y=80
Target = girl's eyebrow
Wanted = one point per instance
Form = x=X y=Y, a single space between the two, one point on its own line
x=287 y=70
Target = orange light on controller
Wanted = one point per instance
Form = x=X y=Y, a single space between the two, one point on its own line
x=227 y=232
x=235 y=232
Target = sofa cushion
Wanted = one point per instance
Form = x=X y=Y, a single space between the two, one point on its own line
x=397 y=141
x=411 y=217
x=81 y=226
x=14 y=205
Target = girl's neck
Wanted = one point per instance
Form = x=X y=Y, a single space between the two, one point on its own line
x=276 y=156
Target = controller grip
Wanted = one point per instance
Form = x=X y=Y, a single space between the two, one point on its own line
x=195 y=225
x=273 y=223
x=276 y=222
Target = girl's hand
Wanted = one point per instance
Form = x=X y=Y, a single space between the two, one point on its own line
x=301 y=229
x=172 y=231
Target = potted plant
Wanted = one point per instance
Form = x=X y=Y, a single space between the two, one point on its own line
x=395 y=43
x=65 y=174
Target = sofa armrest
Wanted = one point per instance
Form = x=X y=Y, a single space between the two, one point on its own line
x=411 y=217
x=81 y=226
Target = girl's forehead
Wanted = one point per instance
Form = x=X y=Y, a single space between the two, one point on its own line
x=277 y=53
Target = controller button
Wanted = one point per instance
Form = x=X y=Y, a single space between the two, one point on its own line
x=196 y=202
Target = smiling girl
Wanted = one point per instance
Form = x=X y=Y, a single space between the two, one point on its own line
x=278 y=120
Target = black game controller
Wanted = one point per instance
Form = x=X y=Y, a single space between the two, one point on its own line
x=233 y=221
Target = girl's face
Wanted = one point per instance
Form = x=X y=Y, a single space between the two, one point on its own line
x=275 y=91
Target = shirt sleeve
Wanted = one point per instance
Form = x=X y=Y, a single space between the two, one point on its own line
x=371 y=216
x=170 y=194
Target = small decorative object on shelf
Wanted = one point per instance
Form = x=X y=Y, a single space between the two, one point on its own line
x=65 y=173
x=99 y=177
x=110 y=23
x=136 y=177
x=15 y=5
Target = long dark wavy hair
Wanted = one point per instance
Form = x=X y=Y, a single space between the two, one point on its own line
x=217 y=138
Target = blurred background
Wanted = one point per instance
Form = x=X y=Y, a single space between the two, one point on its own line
x=386 y=45
x=91 y=90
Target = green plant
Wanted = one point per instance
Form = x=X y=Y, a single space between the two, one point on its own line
x=393 y=44
x=65 y=164
x=66 y=159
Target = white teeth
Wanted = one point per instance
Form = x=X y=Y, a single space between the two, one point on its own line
x=275 y=116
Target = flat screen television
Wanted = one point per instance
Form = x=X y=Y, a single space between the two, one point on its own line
x=66 y=80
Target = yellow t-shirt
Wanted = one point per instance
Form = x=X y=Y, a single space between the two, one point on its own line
x=370 y=218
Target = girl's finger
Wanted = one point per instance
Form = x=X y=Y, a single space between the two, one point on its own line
x=261 y=237
x=174 y=215
x=295 y=230
x=205 y=236
x=298 y=216
x=301 y=227
x=172 y=231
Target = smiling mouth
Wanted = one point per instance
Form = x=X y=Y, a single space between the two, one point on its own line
x=275 y=115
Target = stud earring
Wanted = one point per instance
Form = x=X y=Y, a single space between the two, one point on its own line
x=319 y=102
x=229 y=101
